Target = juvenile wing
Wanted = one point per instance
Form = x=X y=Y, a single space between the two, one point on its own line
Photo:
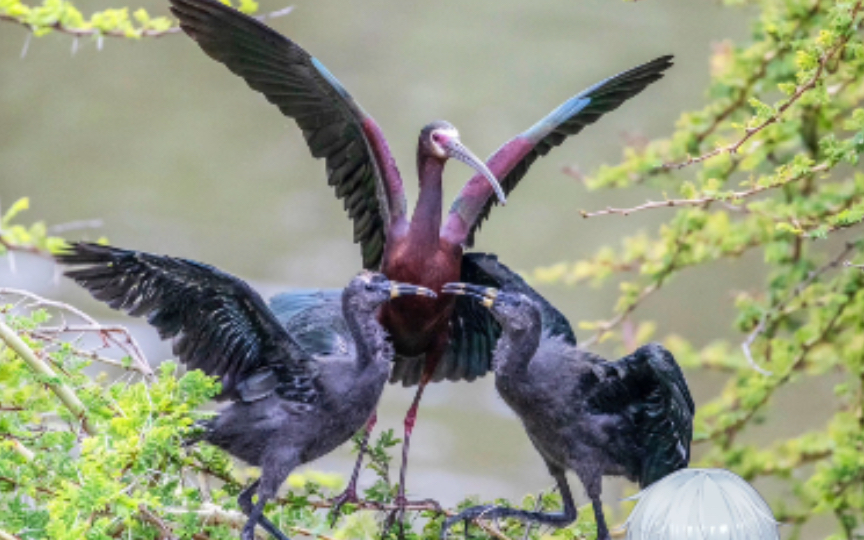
x=359 y=164
x=510 y=163
x=218 y=323
x=649 y=388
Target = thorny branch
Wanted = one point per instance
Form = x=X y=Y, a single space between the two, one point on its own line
x=811 y=277
x=728 y=198
x=58 y=26
x=63 y=392
x=800 y=91
x=117 y=335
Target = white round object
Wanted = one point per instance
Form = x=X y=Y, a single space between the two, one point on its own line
x=701 y=504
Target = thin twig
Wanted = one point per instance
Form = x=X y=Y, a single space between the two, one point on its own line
x=117 y=335
x=811 y=277
x=20 y=449
x=848 y=264
x=66 y=395
x=800 y=91
x=618 y=319
x=76 y=225
x=33 y=250
x=6 y=536
x=703 y=201
x=58 y=26
x=164 y=529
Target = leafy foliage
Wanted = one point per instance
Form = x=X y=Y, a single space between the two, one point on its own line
x=63 y=16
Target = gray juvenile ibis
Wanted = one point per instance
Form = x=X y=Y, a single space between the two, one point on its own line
x=632 y=417
x=432 y=339
x=288 y=406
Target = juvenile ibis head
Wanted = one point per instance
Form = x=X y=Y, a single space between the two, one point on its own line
x=513 y=311
x=368 y=290
x=440 y=140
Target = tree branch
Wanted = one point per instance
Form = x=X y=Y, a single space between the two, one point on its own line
x=66 y=395
x=703 y=201
x=800 y=91
x=117 y=335
x=811 y=277
x=86 y=31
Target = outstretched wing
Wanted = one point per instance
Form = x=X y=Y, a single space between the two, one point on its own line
x=359 y=164
x=219 y=324
x=649 y=388
x=473 y=330
x=510 y=163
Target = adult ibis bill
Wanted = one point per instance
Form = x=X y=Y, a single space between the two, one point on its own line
x=433 y=340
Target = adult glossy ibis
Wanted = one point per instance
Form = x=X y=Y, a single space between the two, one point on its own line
x=432 y=340
x=288 y=406
x=632 y=417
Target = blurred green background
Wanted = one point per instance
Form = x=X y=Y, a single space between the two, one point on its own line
x=176 y=155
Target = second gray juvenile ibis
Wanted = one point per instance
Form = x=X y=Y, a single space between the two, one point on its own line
x=632 y=417
x=432 y=340
x=288 y=407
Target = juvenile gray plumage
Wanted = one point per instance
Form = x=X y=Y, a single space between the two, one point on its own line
x=289 y=406
x=632 y=417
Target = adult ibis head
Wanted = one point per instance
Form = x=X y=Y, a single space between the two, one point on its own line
x=439 y=140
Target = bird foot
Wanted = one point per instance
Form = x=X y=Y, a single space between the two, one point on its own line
x=347 y=496
x=466 y=516
x=401 y=504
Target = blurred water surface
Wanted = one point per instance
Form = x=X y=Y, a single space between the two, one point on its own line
x=178 y=156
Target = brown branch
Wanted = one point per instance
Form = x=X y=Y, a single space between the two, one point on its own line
x=757 y=74
x=703 y=201
x=58 y=26
x=607 y=326
x=33 y=250
x=800 y=91
x=63 y=392
x=117 y=335
x=811 y=277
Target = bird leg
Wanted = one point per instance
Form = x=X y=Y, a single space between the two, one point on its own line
x=273 y=474
x=401 y=500
x=350 y=493
x=244 y=500
x=566 y=517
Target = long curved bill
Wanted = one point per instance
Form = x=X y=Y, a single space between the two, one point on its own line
x=459 y=151
x=404 y=289
x=485 y=295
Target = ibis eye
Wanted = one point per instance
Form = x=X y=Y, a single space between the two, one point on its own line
x=437 y=137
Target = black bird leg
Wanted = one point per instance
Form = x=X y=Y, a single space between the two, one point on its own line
x=565 y=517
x=273 y=474
x=245 y=502
x=593 y=485
x=350 y=493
